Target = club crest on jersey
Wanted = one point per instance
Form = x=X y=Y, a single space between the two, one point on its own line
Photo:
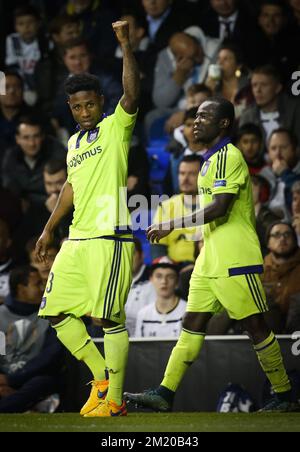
x=92 y=135
x=205 y=168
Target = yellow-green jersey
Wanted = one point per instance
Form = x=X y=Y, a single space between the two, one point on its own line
x=180 y=242
x=97 y=164
x=231 y=245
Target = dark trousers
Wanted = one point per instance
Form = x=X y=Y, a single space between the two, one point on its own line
x=32 y=392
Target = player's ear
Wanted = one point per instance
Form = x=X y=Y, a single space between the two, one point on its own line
x=224 y=123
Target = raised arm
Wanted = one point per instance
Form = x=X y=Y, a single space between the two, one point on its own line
x=63 y=206
x=131 y=74
x=216 y=209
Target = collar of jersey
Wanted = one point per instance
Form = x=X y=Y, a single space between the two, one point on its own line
x=216 y=148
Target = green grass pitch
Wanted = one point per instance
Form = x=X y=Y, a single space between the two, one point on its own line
x=152 y=422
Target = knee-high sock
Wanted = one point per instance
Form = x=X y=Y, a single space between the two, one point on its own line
x=182 y=357
x=116 y=353
x=73 y=334
x=270 y=358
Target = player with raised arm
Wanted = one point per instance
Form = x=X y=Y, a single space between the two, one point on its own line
x=226 y=273
x=92 y=272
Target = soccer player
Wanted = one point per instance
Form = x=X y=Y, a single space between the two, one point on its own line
x=226 y=273
x=92 y=272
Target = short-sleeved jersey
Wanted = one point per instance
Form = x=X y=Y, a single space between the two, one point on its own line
x=231 y=245
x=97 y=163
x=180 y=242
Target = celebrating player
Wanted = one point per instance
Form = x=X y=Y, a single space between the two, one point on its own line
x=92 y=272
x=226 y=273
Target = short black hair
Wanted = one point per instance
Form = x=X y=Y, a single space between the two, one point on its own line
x=53 y=166
x=292 y=137
x=270 y=71
x=75 y=42
x=191 y=159
x=233 y=48
x=82 y=82
x=199 y=88
x=30 y=120
x=280 y=3
x=57 y=24
x=26 y=10
x=190 y=113
x=225 y=109
x=249 y=129
x=13 y=73
x=20 y=275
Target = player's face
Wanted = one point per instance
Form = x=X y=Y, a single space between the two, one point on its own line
x=280 y=147
x=30 y=139
x=54 y=182
x=281 y=241
x=164 y=281
x=87 y=108
x=207 y=124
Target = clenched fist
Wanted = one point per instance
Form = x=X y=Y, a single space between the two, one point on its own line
x=121 y=29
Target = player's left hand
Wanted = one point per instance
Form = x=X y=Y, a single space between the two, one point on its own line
x=121 y=29
x=156 y=232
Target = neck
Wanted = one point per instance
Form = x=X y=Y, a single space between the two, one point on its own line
x=196 y=147
x=271 y=106
x=215 y=141
x=9 y=112
x=165 y=305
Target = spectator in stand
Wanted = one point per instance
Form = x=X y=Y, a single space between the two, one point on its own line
x=295 y=5
x=78 y=60
x=228 y=21
x=193 y=147
x=31 y=369
x=163 y=318
x=281 y=272
x=272 y=107
x=96 y=18
x=6 y=261
x=234 y=84
x=283 y=171
x=42 y=267
x=179 y=244
x=274 y=39
x=12 y=107
x=264 y=216
x=196 y=94
x=296 y=209
x=26 y=47
x=50 y=72
x=142 y=292
x=138 y=171
x=250 y=141
x=22 y=169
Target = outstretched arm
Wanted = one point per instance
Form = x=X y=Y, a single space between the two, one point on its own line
x=216 y=209
x=131 y=74
x=63 y=206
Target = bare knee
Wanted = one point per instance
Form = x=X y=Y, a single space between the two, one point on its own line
x=196 y=321
x=57 y=319
x=256 y=328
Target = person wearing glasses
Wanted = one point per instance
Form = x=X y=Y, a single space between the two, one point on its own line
x=281 y=277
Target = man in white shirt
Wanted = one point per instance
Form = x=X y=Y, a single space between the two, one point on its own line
x=163 y=318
